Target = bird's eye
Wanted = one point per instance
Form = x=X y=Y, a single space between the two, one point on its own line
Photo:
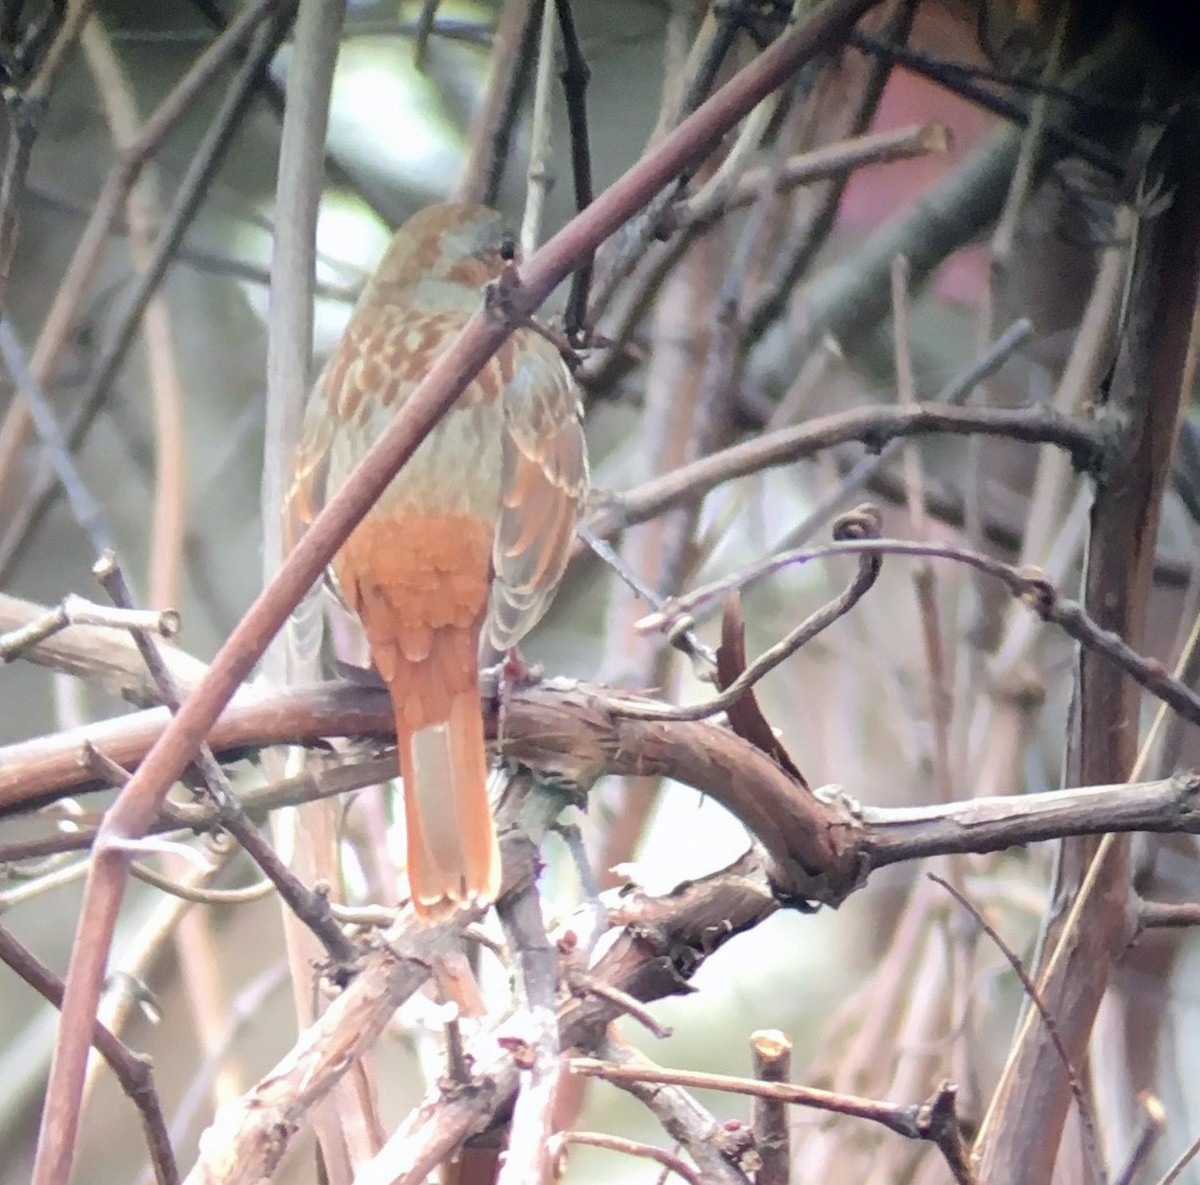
x=508 y=248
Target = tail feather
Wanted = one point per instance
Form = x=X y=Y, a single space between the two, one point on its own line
x=453 y=856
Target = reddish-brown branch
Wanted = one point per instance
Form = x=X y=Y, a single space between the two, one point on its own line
x=132 y=1071
x=568 y=732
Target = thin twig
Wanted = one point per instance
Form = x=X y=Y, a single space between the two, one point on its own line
x=861 y=524
x=342 y=173
x=310 y=906
x=199 y=896
x=309 y=833
x=144 y=215
x=863 y=471
x=200 y=817
x=38 y=880
x=25 y=108
x=903 y=1119
x=24 y=118
x=709 y=51
x=245 y=1008
x=575 y=77
x=76 y=611
x=293 y=262
x=1032 y=589
x=628 y=1004
x=955 y=79
x=1176 y=1170
x=426 y=20
x=86 y=509
x=490 y=140
x=707 y=1141
x=134 y=1073
x=1162 y=915
x=924 y=578
x=821 y=164
x=682 y=635
x=457 y=1065
x=1154 y=1123
x=875 y=426
x=538 y=178
x=1086 y=1121
x=60 y=321
x=806 y=238
x=560 y=1142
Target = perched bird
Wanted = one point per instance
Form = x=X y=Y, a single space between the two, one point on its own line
x=468 y=541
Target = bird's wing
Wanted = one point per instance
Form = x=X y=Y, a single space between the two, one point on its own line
x=542 y=488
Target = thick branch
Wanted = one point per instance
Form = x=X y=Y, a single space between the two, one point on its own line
x=567 y=731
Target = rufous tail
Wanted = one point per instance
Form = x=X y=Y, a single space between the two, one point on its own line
x=453 y=856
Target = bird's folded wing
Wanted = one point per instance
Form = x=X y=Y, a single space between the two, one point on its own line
x=542 y=489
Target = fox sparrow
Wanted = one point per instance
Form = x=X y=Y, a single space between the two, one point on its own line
x=469 y=540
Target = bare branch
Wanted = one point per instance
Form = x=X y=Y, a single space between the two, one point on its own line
x=772 y=1053
x=134 y=1073
x=1086 y=1120
x=249 y=1139
x=529 y=1155
x=560 y=1142
x=716 y=1150
x=863 y=523
x=1029 y=585
x=76 y=611
x=874 y=426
